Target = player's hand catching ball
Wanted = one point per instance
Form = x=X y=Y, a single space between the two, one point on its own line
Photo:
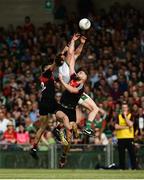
x=75 y=36
x=83 y=39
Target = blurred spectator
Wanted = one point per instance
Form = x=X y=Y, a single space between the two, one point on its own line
x=139 y=126
x=115 y=91
x=46 y=141
x=28 y=26
x=3 y=121
x=9 y=136
x=125 y=134
x=22 y=136
x=29 y=125
x=34 y=113
x=111 y=77
x=100 y=138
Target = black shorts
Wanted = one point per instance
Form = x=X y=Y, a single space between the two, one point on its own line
x=46 y=107
x=71 y=113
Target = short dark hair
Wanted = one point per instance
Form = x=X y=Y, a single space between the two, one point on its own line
x=59 y=60
x=79 y=69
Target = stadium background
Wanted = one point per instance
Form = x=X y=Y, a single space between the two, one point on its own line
x=18 y=101
x=14 y=11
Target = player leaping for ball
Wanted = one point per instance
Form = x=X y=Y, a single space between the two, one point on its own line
x=47 y=103
x=69 y=100
x=85 y=100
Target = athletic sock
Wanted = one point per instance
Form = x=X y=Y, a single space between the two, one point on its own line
x=35 y=146
x=88 y=124
x=63 y=139
x=68 y=135
x=75 y=130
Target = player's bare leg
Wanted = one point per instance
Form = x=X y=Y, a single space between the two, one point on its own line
x=44 y=123
x=93 y=110
x=79 y=115
x=75 y=129
x=62 y=117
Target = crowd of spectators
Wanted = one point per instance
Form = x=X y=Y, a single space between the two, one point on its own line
x=113 y=58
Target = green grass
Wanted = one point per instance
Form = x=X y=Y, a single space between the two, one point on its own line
x=70 y=174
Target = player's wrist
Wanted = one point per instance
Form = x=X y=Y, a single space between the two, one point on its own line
x=73 y=40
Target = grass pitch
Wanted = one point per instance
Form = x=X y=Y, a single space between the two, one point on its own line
x=70 y=174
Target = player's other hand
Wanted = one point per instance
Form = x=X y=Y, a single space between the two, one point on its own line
x=83 y=39
x=76 y=36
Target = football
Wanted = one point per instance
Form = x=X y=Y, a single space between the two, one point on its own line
x=84 y=24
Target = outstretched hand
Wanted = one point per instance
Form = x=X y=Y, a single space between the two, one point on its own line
x=83 y=39
x=76 y=36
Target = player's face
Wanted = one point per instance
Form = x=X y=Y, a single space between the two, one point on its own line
x=62 y=59
x=82 y=75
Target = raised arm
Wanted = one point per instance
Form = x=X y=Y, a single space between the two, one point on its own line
x=71 y=53
x=80 y=47
x=64 y=50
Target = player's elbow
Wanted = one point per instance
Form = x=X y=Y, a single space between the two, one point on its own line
x=70 y=53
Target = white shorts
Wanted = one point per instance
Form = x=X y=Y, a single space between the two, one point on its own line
x=83 y=97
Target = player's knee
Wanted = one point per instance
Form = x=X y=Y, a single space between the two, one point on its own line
x=94 y=108
x=59 y=115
